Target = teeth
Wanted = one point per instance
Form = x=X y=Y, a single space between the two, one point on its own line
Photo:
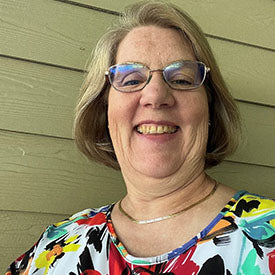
x=153 y=129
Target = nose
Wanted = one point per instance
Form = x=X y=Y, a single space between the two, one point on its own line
x=157 y=94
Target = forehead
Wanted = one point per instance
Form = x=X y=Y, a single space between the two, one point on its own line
x=154 y=46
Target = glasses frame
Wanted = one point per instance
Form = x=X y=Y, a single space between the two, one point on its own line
x=206 y=70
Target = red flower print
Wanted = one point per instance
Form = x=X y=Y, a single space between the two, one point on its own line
x=96 y=220
x=271 y=256
x=184 y=264
x=90 y=272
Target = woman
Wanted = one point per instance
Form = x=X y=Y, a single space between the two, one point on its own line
x=155 y=106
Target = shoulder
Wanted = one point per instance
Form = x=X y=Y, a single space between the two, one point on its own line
x=247 y=204
x=69 y=235
x=80 y=221
x=91 y=215
x=254 y=215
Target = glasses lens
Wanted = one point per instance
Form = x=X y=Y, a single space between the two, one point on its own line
x=185 y=75
x=128 y=77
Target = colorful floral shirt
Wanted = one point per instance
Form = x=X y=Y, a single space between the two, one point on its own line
x=240 y=240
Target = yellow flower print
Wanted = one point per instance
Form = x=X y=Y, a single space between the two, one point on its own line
x=254 y=206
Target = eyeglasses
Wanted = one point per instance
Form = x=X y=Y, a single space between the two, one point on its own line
x=179 y=75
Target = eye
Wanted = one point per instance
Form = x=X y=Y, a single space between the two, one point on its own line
x=131 y=82
x=132 y=79
x=180 y=82
x=180 y=79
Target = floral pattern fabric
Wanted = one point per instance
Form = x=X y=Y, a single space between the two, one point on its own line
x=240 y=240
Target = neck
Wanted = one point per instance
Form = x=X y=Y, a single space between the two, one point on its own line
x=164 y=197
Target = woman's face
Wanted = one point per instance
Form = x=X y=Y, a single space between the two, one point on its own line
x=159 y=107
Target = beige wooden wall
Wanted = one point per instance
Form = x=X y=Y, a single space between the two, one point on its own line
x=44 y=45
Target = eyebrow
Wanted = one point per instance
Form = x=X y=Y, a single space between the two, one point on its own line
x=137 y=62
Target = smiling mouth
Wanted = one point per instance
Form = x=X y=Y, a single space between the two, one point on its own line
x=156 y=129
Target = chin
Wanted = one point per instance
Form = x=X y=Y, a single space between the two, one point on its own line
x=156 y=169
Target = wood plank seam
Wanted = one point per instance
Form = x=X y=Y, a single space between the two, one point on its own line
x=88 y=7
x=239 y=42
x=255 y=103
x=249 y=163
x=43 y=63
x=34 y=212
x=34 y=134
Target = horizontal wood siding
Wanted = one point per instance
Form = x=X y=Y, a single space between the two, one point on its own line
x=51 y=174
x=44 y=45
x=36 y=98
x=49 y=31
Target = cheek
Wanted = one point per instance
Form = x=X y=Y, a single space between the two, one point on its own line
x=197 y=112
x=113 y=125
x=113 y=116
x=121 y=110
x=115 y=107
x=196 y=118
x=122 y=105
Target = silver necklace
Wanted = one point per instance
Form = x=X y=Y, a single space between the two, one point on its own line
x=168 y=216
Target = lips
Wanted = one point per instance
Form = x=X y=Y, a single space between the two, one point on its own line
x=156 y=129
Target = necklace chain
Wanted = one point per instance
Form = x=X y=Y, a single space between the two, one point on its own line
x=168 y=216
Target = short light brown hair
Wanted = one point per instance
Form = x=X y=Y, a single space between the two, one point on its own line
x=91 y=125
